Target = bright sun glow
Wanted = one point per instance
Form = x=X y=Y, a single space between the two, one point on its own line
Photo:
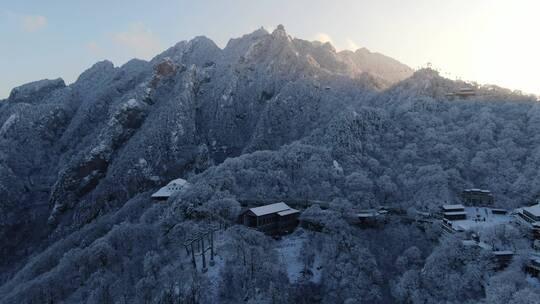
x=497 y=44
x=487 y=41
x=508 y=53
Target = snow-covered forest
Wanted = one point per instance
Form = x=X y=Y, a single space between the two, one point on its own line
x=267 y=118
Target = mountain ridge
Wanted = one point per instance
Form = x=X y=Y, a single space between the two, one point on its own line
x=87 y=129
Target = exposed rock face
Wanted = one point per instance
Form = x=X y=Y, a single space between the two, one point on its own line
x=71 y=153
x=378 y=65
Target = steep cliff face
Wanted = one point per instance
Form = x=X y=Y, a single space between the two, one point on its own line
x=72 y=153
x=32 y=121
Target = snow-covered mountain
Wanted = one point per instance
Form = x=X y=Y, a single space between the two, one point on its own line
x=268 y=116
x=118 y=131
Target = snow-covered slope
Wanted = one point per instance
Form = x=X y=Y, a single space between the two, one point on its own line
x=269 y=116
x=74 y=152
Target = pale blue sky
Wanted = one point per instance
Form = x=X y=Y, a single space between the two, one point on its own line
x=489 y=41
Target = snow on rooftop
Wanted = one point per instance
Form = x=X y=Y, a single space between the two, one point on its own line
x=479 y=217
x=163 y=192
x=452 y=207
x=477 y=190
x=503 y=252
x=455 y=213
x=287 y=212
x=368 y=213
x=269 y=209
x=534 y=210
x=178 y=181
x=173 y=186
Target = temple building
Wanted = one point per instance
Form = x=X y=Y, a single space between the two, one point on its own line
x=454 y=212
x=477 y=197
x=531 y=217
x=372 y=217
x=530 y=214
x=172 y=187
x=273 y=219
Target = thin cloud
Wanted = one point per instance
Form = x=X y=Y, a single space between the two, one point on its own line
x=139 y=39
x=351 y=45
x=323 y=37
x=33 y=23
x=94 y=48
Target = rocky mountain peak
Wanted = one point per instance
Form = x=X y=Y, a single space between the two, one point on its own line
x=199 y=51
x=260 y=32
x=364 y=61
x=28 y=92
x=280 y=32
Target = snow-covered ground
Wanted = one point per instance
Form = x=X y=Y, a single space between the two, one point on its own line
x=213 y=272
x=479 y=217
x=290 y=249
x=290 y=252
x=317 y=269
